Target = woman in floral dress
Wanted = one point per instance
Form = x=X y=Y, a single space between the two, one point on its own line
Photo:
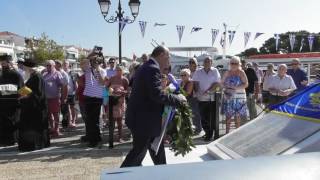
x=234 y=83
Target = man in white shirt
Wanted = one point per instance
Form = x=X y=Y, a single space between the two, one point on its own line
x=281 y=85
x=208 y=79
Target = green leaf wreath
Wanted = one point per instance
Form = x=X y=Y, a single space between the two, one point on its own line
x=180 y=130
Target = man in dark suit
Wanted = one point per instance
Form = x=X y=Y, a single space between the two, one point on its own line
x=145 y=108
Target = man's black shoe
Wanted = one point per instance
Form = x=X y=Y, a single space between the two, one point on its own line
x=93 y=144
x=84 y=139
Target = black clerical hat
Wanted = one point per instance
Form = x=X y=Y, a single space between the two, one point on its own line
x=5 y=57
x=30 y=63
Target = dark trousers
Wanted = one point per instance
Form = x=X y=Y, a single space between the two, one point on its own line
x=208 y=117
x=277 y=99
x=65 y=115
x=196 y=119
x=8 y=120
x=92 y=109
x=140 y=146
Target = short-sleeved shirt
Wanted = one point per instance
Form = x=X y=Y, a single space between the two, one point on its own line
x=281 y=84
x=259 y=74
x=71 y=83
x=111 y=72
x=252 y=79
x=298 y=76
x=92 y=86
x=205 y=80
x=53 y=82
x=65 y=77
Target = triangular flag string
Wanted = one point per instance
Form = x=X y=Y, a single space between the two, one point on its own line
x=123 y=24
x=196 y=29
x=180 y=30
x=301 y=44
x=247 y=36
x=231 y=36
x=310 y=40
x=277 y=38
x=143 y=26
x=222 y=40
x=214 y=33
x=292 y=40
x=258 y=34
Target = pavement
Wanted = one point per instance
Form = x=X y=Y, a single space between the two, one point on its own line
x=68 y=158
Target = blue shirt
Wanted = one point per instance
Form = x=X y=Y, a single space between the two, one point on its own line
x=298 y=76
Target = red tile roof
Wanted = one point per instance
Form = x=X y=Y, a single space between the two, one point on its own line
x=7 y=33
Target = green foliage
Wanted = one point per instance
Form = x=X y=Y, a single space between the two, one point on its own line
x=269 y=45
x=45 y=49
x=249 y=52
x=180 y=130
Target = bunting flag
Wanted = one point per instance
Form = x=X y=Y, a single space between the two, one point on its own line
x=159 y=24
x=277 y=38
x=123 y=23
x=180 y=30
x=231 y=36
x=301 y=44
x=214 y=33
x=196 y=29
x=310 y=40
x=247 y=36
x=222 y=40
x=258 y=34
x=292 y=40
x=143 y=26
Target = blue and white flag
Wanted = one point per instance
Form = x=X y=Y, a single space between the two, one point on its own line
x=222 y=40
x=231 y=36
x=292 y=39
x=258 y=34
x=196 y=29
x=301 y=44
x=123 y=23
x=247 y=36
x=159 y=24
x=180 y=30
x=143 y=26
x=277 y=38
x=310 y=40
x=214 y=33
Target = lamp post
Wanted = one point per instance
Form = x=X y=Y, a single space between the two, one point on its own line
x=104 y=7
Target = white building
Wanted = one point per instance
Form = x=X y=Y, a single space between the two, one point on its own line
x=12 y=44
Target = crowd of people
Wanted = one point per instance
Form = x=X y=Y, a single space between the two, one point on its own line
x=33 y=118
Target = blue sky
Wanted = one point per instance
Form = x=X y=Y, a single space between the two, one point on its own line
x=79 y=22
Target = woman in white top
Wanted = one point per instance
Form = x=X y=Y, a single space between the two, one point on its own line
x=280 y=86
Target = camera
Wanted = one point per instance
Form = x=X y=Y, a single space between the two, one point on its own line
x=96 y=57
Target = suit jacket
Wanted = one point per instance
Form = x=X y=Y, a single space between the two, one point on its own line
x=146 y=102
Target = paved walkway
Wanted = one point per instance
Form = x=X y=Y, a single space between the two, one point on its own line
x=67 y=158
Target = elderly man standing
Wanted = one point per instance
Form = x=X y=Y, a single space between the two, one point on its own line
x=209 y=79
x=53 y=86
x=10 y=83
x=281 y=85
x=298 y=75
x=145 y=108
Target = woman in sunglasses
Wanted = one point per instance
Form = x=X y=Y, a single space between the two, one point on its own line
x=234 y=83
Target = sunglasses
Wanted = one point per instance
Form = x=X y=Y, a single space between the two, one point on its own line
x=183 y=75
x=295 y=63
x=233 y=63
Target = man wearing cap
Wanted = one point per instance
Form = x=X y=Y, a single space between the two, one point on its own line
x=10 y=83
x=298 y=75
x=33 y=126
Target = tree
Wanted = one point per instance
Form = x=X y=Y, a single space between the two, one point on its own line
x=249 y=52
x=269 y=45
x=45 y=49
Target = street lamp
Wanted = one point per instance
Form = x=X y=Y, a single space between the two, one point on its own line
x=104 y=7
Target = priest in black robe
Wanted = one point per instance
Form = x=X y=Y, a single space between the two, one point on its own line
x=33 y=126
x=10 y=82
